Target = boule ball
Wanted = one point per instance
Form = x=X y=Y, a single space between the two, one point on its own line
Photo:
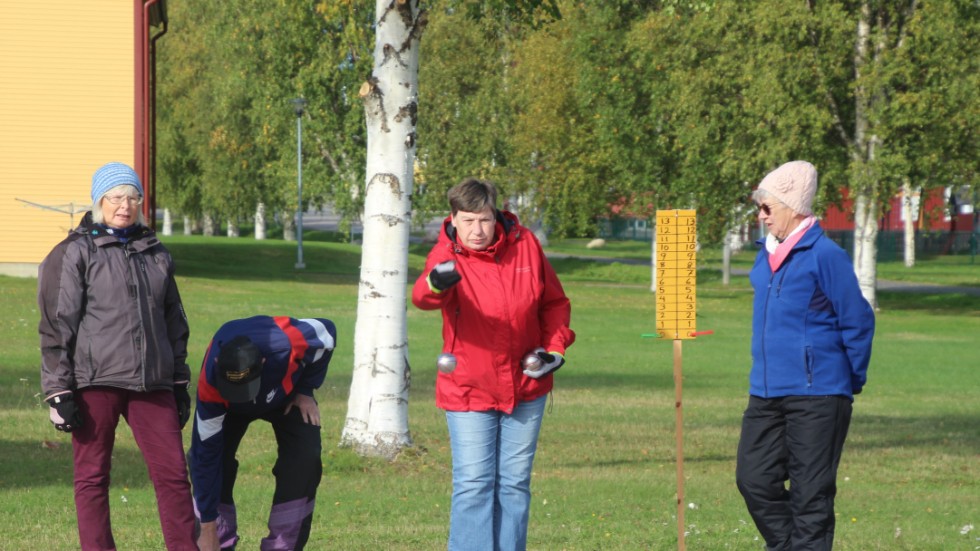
x=532 y=362
x=446 y=362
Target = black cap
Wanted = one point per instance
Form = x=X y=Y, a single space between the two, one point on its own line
x=239 y=370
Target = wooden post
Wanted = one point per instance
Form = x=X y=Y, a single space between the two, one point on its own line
x=679 y=432
x=676 y=264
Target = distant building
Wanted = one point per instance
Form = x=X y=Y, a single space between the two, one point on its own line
x=943 y=223
x=937 y=230
x=76 y=91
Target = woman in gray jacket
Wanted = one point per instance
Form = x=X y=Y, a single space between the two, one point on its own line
x=114 y=343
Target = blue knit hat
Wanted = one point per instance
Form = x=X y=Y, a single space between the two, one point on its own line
x=112 y=175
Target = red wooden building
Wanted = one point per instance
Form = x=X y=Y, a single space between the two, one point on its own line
x=944 y=220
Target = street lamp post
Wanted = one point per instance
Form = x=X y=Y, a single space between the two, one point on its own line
x=299 y=104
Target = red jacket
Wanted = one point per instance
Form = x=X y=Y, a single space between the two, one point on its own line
x=508 y=303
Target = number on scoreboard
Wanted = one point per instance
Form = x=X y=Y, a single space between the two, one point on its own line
x=676 y=252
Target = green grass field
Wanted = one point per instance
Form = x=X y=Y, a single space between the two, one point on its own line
x=604 y=477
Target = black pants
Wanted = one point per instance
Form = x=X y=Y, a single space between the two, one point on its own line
x=797 y=439
x=297 y=471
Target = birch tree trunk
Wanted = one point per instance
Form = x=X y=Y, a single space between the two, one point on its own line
x=208 y=225
x=726 y=258
x=865 y=246
x=865 y=207
x=233 y=230
x=260 y=221
x=909 y=224
x=188 y=225
x=377 y=410
x=168 y=223
x=288 y=226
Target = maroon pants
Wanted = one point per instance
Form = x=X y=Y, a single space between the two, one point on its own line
x=152 y=416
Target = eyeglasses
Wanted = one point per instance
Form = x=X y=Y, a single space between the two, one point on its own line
x=118 y=199
x=767 y=209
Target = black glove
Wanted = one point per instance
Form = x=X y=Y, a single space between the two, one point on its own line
x=183 y=399
x=63 y=412
x=549 y=362
x=443 y=276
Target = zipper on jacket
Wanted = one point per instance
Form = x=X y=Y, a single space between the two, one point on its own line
x=765 y=318
x=452 y=345
x=141 y=337
x=779 y=287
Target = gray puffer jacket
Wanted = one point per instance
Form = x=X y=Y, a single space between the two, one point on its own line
x=111 y=314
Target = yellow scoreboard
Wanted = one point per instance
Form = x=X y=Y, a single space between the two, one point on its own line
x=676 y=252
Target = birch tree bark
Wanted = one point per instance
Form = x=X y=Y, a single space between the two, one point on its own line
x=208 y=225
x=863 y=156
x=377 y=410
x=908 y=225
x=288 y=225
x=260 y=232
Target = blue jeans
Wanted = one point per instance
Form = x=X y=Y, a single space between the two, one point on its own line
x=492 y=457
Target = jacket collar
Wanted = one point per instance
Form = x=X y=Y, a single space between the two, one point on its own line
x=813 y=233
x=141 y=239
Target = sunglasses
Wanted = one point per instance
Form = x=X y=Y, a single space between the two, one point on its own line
x=766 y=209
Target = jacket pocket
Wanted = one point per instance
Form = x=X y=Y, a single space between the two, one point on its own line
x=808 y=361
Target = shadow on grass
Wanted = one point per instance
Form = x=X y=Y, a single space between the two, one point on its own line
x=954 y=434
x=249 y=260
x=48 y=462
x=578 y=381
x=943 y=303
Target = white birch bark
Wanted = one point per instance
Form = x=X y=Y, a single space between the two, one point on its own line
x=288 y=226
x=865 y=246
x=188 y=225
x=908 y=224
x=208 y=225
x=726 y=258
x=865 y=207
x=260 y=221
x=377 y=410
x=168 y=223
x=233 y=230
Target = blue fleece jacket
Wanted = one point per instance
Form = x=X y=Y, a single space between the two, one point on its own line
x=811 y=327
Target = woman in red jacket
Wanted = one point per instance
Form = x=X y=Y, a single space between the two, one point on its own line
x=501 y=301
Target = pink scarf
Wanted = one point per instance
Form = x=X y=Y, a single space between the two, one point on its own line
x=779 y=251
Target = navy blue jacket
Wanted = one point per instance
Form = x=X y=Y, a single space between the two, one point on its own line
x=296 y=352
x=811 y=326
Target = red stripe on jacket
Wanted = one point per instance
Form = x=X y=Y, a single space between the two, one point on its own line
x=299 y=346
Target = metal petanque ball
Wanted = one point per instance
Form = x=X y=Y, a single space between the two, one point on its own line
x=532 y=362
x=446 y=362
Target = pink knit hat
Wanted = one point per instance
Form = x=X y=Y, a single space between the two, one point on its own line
x=793 y=184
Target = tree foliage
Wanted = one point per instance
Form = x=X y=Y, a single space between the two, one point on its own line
x=229 y=72
x=578 y=110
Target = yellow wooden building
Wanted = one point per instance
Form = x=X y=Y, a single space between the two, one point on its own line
x=76 y=91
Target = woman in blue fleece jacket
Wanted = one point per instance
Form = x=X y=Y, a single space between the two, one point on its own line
x=811 y=344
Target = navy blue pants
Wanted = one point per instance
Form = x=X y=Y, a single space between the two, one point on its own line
x=297 y=471
x=796 y=439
